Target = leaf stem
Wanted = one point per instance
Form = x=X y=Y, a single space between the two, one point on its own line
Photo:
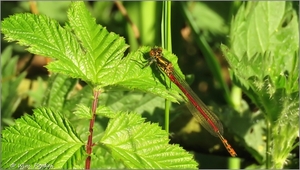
x=90 y=138
x=268 y=147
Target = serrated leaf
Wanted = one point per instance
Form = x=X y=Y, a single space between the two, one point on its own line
x=148 y=105
x=83 y=97
x=103 y=50
x=256 y=42
x=91 y=53
x=149 y=79
x=44 y=138
x=143 y=145
x=102 y=158
x=257 y=26
x=83 y=112
x=44 y=36
x=266 y=62
x=263 y=60
x=105 y=111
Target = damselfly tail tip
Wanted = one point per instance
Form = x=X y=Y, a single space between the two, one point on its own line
x=227 y=145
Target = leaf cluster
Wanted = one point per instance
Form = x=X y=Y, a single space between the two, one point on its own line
x=86 y=51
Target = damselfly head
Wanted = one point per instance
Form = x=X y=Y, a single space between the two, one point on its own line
x=156 y=52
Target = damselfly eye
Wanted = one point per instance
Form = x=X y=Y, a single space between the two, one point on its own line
x=152 y=53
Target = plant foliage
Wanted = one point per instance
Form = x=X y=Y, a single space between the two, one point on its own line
x=263 y=58
x=43 y=139
x=9 y=85
x=86 y=50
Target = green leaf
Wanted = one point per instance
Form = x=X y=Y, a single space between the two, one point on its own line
x=78 y=118
x=148 y=105
x=143 y=145
x=203 y=15
x=263 y=58
x=259 y=27
x=58 y=91
x=105 y=111
x=37 y=93
x=83 y=111
x=104 y=50
x=5 y=56
x=149 y=79
x=8 y=63
x=87 y=51
x=44 y=138
x=102 y=158
x=257 y=64
x=83 y=96
x=46 y=37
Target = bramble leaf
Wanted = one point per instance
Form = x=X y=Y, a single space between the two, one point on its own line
x=45 y=138
x=87 y=51
x=143 y=145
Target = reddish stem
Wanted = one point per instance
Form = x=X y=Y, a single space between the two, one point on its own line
x=90 y=138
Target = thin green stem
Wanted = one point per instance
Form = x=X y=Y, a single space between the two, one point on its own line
x=167 y=44
x=236 y=96
x=234 y=163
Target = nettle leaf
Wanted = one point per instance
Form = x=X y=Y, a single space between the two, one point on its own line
x=258 y=37
x=143 y=145
x=263 y=58
x=46 y=138
x=258 y=34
